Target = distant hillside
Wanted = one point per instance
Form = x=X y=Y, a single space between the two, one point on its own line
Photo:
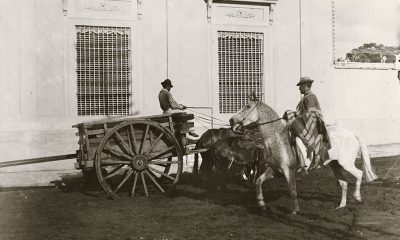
x=372 y=53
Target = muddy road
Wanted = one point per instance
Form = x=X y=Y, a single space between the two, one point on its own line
x=75 y=211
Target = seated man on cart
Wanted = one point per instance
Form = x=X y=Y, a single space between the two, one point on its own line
x=167 y=102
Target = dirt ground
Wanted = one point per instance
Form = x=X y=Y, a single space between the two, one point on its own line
x=73 y=211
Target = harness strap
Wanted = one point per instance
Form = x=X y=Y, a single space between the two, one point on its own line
x=253 y=125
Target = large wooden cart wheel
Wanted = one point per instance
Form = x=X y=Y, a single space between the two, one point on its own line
x=138 y=155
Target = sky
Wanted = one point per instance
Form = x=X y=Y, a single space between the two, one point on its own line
x=365 y=21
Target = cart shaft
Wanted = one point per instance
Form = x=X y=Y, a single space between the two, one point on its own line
x=37 y=160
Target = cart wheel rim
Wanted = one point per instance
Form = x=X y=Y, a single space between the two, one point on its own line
x=146 y=160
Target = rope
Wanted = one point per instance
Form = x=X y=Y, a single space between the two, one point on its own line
x=199 y=120
x=211 y=117
x=209 y=121
x=204 y=120
x=202 y=124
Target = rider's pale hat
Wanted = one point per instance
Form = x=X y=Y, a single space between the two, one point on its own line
x=305 y=80
x=166 y=82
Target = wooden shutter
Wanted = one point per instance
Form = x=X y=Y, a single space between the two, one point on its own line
x=240 y=68
x=103 y=70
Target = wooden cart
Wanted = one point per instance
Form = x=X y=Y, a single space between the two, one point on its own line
x=132 y=153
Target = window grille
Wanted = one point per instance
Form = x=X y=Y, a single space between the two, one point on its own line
x=240 y=68
x=103 y=70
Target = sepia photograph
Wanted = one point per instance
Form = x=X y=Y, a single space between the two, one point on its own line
x=200 y=119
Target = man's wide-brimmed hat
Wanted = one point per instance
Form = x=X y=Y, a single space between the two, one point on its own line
x=166 y=82
x=305 y=80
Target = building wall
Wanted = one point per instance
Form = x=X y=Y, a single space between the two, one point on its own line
x=32 y=95
x=364 y=101
x=181 y=55
x=37 y=71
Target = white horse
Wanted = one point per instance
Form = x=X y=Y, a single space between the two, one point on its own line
x=281 y=155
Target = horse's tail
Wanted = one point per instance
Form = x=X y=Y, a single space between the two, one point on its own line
x=369 y=172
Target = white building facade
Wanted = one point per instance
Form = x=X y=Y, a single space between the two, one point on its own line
x=69 y=61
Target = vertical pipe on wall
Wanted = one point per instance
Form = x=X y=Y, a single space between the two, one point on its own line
x=166 y=24
x=300 y=44
x=65 y=61
x=333 y=32
x=19 y=58
x=210 y=60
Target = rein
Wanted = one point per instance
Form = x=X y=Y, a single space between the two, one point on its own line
x=258 y=124
x=253 y=125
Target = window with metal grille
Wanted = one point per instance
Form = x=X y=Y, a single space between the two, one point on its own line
x=103 y=70
x=240 y=68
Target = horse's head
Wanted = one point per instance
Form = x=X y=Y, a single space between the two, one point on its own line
x=246 y=116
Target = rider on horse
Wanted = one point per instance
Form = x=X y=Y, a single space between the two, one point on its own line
x=308 y=124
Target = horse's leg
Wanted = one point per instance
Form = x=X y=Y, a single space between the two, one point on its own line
x=222 y=179
x=267 y=174
x=337 y=170
x=357 y=173
x=222 y=166
x=219 y=176
x=196 y=164
x=207 y=164
x=290 y=175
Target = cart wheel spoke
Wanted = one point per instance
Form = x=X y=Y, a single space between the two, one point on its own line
x=118 y=171
x=144 y=139
x=122 y=144
x=134 y=184
x=168 y=166
x=164 y=162
x=116 y=153
x=161 y=173
x=128 y=174
x=117 y=168
x=133 y=139
x=110 y=162
x=154 y=181
x=160 y=155
x=163 y=166
x=154 y=144
x=144 y=184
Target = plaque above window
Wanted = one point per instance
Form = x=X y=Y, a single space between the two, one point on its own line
x=243 y=12
x=104 y=9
